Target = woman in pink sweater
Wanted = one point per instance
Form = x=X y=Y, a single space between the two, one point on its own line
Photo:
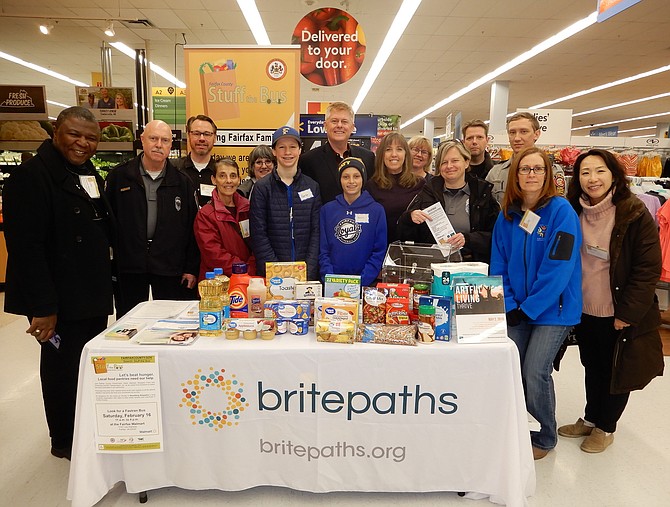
x=618 y=337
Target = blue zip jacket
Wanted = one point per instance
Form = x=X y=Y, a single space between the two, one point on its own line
x=542 y=271
x=353 y=238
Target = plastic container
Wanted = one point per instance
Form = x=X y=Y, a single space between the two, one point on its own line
x=210 y=306
x=239 y=281
x=225 y=298
x=256 y=295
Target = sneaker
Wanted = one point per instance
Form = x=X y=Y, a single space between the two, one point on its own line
x=597 y=441
x=539 y=453
x=579 y=429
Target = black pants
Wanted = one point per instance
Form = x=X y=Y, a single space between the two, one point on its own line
x=59 y=371
x=596 y=337
x=133 y=288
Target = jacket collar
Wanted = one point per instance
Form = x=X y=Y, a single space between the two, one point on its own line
x=56 y=163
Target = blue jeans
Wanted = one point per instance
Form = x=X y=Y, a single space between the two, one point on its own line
x=538 y=346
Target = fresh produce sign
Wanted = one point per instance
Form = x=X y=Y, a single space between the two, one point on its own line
x=332 y=46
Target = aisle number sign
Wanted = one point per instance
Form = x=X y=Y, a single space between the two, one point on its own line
x=249 y=92
x=169 y=104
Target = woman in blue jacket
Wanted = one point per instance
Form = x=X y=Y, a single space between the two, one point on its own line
x=353 y=228
x=535 y=248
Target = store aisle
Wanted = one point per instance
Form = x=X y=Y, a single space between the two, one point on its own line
x=633 y=471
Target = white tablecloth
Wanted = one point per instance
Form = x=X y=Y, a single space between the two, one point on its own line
x=323 y=417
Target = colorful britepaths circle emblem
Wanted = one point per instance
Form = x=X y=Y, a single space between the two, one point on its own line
x=228 y=387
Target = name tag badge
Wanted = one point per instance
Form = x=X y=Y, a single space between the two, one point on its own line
x=206 y=190
x=244 y=228
x=529 y=221
x=90 y=185
x=597 y=252
x=305 y=194
x=362 y=218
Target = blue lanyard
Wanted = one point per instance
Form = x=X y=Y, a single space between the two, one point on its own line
x=289 y=195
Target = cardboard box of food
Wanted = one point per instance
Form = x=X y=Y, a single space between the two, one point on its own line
x=342 y=286
x=281 y=278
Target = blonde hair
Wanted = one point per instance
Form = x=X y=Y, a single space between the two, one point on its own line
x=422 y=143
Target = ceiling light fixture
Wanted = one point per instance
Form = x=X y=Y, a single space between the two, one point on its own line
x=253 y=17
x=536 y=50
x=622 y=104
x=120 y=46
x=41 y=69
x=59 y=104
x=603 y=87
x=402 y=19
x=638 y=129
x=667 y=113
x=109 y=31
x=46 y=28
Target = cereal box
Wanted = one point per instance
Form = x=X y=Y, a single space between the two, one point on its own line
x=281 y=278
x=308 y=291
x=343 y=286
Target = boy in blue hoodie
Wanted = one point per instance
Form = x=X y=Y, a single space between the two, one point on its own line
x=353 y=228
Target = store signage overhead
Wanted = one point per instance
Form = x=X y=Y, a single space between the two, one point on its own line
x=20 y=102
x=605 y=132
x=311 y=125
x=332 y=46
x=555 y=125
x=609 y=8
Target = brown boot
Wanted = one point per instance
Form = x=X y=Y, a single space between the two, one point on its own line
x=539 y=453
x=597 y=441
x=576 y=430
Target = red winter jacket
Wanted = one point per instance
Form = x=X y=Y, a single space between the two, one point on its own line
x=219 y=236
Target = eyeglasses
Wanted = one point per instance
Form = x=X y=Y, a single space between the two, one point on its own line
x=417 y=151
x=536 y=170
x=197 y=134
x=260 y=162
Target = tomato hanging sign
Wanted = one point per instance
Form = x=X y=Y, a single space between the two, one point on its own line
x=332 y=46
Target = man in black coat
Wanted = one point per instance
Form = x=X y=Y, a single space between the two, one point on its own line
x=59 y=230
x=155 y=206
x=322 y=162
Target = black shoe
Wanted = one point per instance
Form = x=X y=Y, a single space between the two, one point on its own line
x=65 y=452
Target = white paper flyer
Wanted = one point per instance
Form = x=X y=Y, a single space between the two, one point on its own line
x=127 y=403
x=440 y=227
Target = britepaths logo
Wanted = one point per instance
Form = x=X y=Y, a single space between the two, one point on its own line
x=232 y=390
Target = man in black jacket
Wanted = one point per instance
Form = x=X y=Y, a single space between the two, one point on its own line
x=321 y=163
x=59 y=230
x=155 y=205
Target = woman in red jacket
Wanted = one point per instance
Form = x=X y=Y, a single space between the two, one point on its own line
x=222 y=225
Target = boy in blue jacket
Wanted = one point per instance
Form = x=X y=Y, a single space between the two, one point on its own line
x=353 y=228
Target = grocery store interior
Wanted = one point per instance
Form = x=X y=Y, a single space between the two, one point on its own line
x=447 y=55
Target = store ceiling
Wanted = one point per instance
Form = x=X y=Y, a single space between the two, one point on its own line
x=447 y=45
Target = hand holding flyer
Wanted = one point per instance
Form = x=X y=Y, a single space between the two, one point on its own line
x=440 y=227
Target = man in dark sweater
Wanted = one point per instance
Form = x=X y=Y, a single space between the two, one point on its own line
x=476 y=140
x=321 y=163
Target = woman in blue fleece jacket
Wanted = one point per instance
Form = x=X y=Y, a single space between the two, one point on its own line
x=535 y=247
x=353 y=228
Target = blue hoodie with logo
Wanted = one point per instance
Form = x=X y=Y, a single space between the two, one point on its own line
x=541 y=270
x=353 y=238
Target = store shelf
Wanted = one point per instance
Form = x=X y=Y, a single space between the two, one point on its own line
x=19 y=145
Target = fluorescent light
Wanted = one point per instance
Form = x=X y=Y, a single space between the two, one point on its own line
x=253 y=17
x=622 y=104
x=120 y=46
x=46 y=28
x=109 y=31
x=536 y=50
x=639 y=137
x=635 y=130
x=41 y=69
x=603 y=87
x=59 y=104
x=667 y=113
x=402 y=19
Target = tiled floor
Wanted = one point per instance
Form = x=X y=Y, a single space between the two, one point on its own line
x=634 y=471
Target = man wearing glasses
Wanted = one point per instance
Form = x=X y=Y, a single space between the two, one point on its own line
x=523 y=131
x=321 y=163
x=198 y=165
x=155 y=207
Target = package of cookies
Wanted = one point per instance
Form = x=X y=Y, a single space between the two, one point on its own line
x=281 y=278
x=335 y=331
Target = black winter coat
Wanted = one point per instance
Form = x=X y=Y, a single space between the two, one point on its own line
x=483 y=210
x=282 y=233
x=58 y=243
x=173 y=250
